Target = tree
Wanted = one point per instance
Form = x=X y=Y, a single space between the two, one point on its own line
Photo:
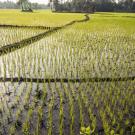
x=74 y=5
x=25 y=5
x=54 y=5
x=92 y=5
x=126 y=5
x=105 y=5
x=8 y=5
x=133 y=7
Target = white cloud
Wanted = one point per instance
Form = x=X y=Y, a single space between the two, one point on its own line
x=38 y=1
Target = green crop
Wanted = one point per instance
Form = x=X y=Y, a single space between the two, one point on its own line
x=76 y=80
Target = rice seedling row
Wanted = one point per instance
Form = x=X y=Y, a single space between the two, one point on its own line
x=11 y=47
x=65 y=59
x=40 y=108
x=12 y=35
x=78 y=80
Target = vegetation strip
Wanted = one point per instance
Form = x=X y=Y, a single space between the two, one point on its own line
x=28 y=27
x=12 y=47
x=66 y=80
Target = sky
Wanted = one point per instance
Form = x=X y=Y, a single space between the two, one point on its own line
x=38 y=1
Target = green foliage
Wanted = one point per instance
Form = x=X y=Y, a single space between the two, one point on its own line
x=12 y=130
x=86 y=131
x=26 y=128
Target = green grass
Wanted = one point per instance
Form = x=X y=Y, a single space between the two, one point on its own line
x=103 y=21
x=37 y=18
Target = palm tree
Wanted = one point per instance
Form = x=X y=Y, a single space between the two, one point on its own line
x=25 y=5
x=54 y=4
x=51 y=4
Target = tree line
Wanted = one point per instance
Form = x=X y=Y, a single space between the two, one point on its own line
x=12 y=5
x=75 y=5
x=93 y=5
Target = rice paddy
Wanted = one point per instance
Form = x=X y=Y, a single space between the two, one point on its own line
x=77 y=80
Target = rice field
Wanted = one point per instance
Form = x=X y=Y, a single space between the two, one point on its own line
x=13 y=35
x=38 y=18
x=77 y=80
